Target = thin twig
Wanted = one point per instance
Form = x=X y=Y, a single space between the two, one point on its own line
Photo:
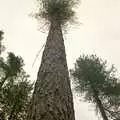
x=37 y=55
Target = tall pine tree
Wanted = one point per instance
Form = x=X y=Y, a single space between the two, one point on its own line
x=52 y=98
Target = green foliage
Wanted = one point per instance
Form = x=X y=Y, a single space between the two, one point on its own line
x=14 y=64
x=57 y=10
x=10 y=68
x=91 y=74
x=15 y=88
x=16 y=96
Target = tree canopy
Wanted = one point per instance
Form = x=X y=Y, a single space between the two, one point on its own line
x=99 y=83
x=15 y=87
x=57 y=10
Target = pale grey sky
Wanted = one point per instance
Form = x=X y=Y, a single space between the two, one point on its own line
x=99 y=33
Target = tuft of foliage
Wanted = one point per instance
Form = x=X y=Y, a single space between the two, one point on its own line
x=89 y=72
x=10 y=68
x=15 y=64
x=57 y=10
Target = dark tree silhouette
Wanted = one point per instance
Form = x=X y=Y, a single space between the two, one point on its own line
x=92 y=77
x=15 y=88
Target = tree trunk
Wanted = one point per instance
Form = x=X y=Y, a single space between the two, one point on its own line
x=100 y=105
x=52 y=97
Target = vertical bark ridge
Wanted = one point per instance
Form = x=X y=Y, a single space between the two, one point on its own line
x=52 y=97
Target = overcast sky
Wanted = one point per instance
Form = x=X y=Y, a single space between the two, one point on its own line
x=98 y=34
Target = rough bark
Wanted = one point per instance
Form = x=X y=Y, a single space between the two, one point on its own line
x=100 y=105
x=52 y=97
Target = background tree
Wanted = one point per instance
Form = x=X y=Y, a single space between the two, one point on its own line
x=93 y=78
x=52 y=98
x=15 y=88
x=16 y=91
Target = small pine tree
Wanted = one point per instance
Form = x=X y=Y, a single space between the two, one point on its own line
x=100 y=85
